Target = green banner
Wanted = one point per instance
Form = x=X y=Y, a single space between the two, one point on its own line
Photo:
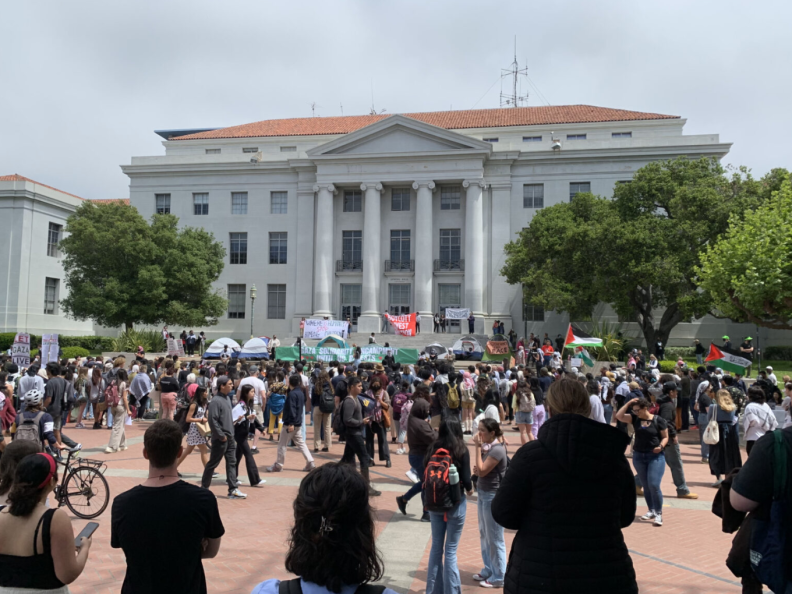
x=373 y=354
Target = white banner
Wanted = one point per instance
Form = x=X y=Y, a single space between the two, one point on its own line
x=20 y=350
x=49 y=348
x=319 y=329
x=175 y=347
x=453 y=313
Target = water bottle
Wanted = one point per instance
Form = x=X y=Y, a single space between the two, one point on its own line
x=453 y=481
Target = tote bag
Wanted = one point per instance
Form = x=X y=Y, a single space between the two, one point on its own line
x=711 y=433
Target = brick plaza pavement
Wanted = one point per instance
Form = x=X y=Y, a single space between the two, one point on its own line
x=685 y=556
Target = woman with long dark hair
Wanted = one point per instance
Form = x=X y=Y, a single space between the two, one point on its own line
x=332 y=547
x=442 y=572
x=196 y=413
x=241 y=432
x=95 y=392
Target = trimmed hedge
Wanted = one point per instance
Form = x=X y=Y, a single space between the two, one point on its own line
x=677 y=352
x=74 y=351
x=667 y=366
x=777 y=353
x=100 y=343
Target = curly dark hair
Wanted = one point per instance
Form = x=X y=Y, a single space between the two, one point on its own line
x=25 y=492
x=12 y=455
x=332 y=541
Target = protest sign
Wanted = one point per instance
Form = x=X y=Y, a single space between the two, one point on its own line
x=498 y=347
x=455 y=313
x=175 y=347
x=49 y=348
x=20 y=350
x=403 y=325
x=319 y=329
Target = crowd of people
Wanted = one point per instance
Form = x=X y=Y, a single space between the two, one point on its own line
x=577 y=433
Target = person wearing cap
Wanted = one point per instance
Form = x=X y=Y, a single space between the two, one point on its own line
x=223 y=444
x=747 y=351
x=27 y=525
x=726 y=342
x=771 y=376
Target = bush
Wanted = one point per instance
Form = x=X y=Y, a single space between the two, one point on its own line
x=677 y=352
x=129 y=340
x=667 y=366
x=91 y=343
x=72 y=352
x=777 y=353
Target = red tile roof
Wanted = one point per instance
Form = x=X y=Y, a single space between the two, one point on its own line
x=111 y=201
x=450 y=120
x=20 y=178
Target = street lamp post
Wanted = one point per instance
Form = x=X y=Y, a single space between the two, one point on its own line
x=252 y=307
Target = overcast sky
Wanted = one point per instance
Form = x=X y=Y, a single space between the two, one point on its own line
x=85 y=84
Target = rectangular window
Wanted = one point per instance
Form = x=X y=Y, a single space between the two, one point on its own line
x=621 y=135
x=238 y=248
x=577 y=187
x=277 y=248
x=532 y=139
x=237 y=295
x=53 y=237
x=201 y=204
x=351 y=300
x=279 y=202
x=250 y=149
x=353 y=201
x=400 y=246
x=288 y=149
x=400 y=199
x=450 y=248
x=576 y=137
x=352 y=250
x=533 y=196
x=533 y=313
x=163 y=203
x=490 y=140
x=450 y=197
x=239 y=203
x=212 y=151
x=449 y=296
x=51 y=296
x=276 y=302
x=399 y=299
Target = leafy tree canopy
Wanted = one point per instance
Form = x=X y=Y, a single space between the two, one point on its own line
x=748 y=271
x=638 y=252
x=122 y=270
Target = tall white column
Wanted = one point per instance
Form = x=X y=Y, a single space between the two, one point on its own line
x=422 y=253
x=370 y=317
x=474 y=249
x=323 y=260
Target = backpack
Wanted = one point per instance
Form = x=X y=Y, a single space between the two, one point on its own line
x=338 y=421
x=327 y=399
x=453 y=396
x=398 y=402
x=111 y=394
x=182 y=406
x=30 y=428
x=526 y=401
x=437 y=488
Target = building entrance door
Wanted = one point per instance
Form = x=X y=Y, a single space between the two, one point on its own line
x=351 y=299
x=399 y=301
x=450 y=296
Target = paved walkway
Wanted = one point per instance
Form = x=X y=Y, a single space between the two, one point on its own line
x=686 y=555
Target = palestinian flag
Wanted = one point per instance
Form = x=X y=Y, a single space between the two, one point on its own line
x=727 y=359
x=584 y=354
x=577 y=338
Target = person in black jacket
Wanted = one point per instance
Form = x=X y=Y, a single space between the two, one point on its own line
x=569 y=494
x=354 y=423
x=420 y=436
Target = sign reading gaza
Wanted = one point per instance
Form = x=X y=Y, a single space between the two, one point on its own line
x=319 y=329
x=20 y=350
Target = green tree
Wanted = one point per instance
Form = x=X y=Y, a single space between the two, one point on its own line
x=638 y=252
x=748 y=271
x=122 y=270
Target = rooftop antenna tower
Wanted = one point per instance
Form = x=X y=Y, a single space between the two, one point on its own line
x=514 y=97
x=314 y=107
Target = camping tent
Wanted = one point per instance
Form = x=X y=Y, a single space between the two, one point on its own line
x=216 y=348
x=255 y=348
x=436 y=349
x=497 y=349
x=333 y=341
x=468 y=348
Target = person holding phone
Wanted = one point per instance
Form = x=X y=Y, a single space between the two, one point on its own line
x=292 y=424
x=37 y=547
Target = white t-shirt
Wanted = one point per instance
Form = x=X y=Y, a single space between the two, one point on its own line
x=492 y=413
x=787 y=406
x=597 y=412
x=758 y=419
x=259 y=389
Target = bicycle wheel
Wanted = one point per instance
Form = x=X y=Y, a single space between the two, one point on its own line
x=86 y=492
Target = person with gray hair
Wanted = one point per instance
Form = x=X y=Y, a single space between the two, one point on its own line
x=223 y=444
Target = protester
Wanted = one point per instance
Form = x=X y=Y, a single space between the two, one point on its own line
x=96 y=388
x=377 y=427
x=420 y=437
x=13 y=454
x=725 y=455
x=27 y=526
x=354 y=423
x=31 y=380
x=526 y=404
x=223 y=446
x=140 y=388
x=332 y=547
x=571 y=490
x=35 y=424
x=118 y=405
x=673 y=457
x=196 y=414
x=758 y=419
x=169 y=388
x=491 y=462
x=292 y=427
x=323 y=405
x=165 y=526
x=80 y=386
x=56 y=399
x=275 y=401
x=242 y=428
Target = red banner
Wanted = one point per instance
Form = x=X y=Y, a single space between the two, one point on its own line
x=403 y=325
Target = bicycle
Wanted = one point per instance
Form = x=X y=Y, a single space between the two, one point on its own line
x=83 y=487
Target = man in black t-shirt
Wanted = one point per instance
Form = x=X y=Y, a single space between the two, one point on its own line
x=747 y=351
x=165 y=526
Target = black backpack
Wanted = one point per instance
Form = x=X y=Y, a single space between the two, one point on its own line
x=327 y=399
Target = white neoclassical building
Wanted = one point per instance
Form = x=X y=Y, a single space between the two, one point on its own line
x=354 y=216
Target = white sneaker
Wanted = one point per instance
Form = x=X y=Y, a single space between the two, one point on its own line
x=236 y=494
x=658 y=520
x=109 y=450
x=650 y=515
x=400 y=452
x=412 y=476
x=261 y=483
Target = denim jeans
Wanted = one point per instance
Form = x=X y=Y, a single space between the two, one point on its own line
x=674 y=462
x=443 y=574
x=607 y=410
x=702 y=425
x=417 y=464
x=493 y=546
x=650 y=468
x=700 y=358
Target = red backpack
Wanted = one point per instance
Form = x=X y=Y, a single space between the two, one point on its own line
x=111 y=394
x=437 y=488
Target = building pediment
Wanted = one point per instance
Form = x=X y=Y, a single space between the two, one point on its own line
x=399 y=135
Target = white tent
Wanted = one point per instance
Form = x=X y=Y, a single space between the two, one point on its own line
x=468 y=348
x=216 y=348
x=436 y=349
x=255 y=348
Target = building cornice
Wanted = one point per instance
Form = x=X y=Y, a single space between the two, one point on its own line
x=615 y=154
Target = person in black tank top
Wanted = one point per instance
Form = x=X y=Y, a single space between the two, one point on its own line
x=32 y=537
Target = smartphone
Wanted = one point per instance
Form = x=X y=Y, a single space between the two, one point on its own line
x=89 y=529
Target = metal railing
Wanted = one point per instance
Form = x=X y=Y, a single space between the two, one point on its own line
x=349 y=265
x=399 y=265
x=449 y=265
